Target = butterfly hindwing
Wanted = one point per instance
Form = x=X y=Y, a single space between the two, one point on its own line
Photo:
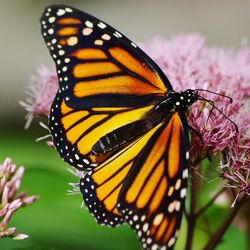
x=143 y=185
x=152 y=199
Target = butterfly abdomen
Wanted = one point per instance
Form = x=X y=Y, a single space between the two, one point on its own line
x=121 y=136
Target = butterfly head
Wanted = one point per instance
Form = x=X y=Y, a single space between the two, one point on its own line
x=188 y=97
x=175 y=101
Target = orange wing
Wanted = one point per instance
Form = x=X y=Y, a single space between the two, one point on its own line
x=97 y=66
x=101 y=187
x=143 y=185
x=152 y=202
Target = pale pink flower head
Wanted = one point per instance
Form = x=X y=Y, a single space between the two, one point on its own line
x=40 y=94
x=190 y=63
x=10 y=200
x=236 y=166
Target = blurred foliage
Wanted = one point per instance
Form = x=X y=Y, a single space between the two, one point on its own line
x=57 y=221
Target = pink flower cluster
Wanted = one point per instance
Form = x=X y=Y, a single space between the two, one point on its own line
x=40 y=94
x=10 y=201
x=189 y=62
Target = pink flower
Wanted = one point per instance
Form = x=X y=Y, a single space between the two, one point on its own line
x=10 y=201
x=190 y=63
x=41 y=92
x=236 y=167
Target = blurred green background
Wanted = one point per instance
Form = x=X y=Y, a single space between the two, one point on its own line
x=56 y=220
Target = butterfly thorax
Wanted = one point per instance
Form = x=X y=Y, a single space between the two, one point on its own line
x=175 y=101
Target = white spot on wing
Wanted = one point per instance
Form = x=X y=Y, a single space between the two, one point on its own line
x=143 y=218
x=154 y=247
x=185 y=173
x=68 y=9
x=178 y=184
x=101 y=25
x=86 y=161
x=117 y=34
x=61 y=52
x=60 y=12
x=89 y=24
x=171 y=207
x=73 y=40
x=52 y=19
x=171 y=242
x=158 y=219
x=135 y=218
x=87 y=31
x=106 y=37
x=183 y=193
x=64 y=69
x=98 y=42
x=145 y=227
x=133 y=44
x=177 y=205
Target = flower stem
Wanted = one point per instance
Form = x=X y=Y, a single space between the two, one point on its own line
x=210 y=203
x=191 y=217
x=217 y=236
x=245 y=212
x=248 y=233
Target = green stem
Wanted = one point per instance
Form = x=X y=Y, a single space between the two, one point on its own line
x=217 y=236
x=191 y=217
x=210 y=203
x=245 y=214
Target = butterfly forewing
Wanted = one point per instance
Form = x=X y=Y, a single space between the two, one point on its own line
x=106 y=81
x=97 y=64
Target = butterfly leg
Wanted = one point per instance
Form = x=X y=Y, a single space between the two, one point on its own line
x=197 y=133
x=201 y=139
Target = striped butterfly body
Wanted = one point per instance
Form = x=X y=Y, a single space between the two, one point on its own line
x=116 y=118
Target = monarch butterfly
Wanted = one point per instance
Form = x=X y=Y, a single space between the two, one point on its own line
x=117 y=119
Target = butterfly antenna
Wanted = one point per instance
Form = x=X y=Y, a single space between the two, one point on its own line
x=214 y=107
x=211 y=111
x=215 y=93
